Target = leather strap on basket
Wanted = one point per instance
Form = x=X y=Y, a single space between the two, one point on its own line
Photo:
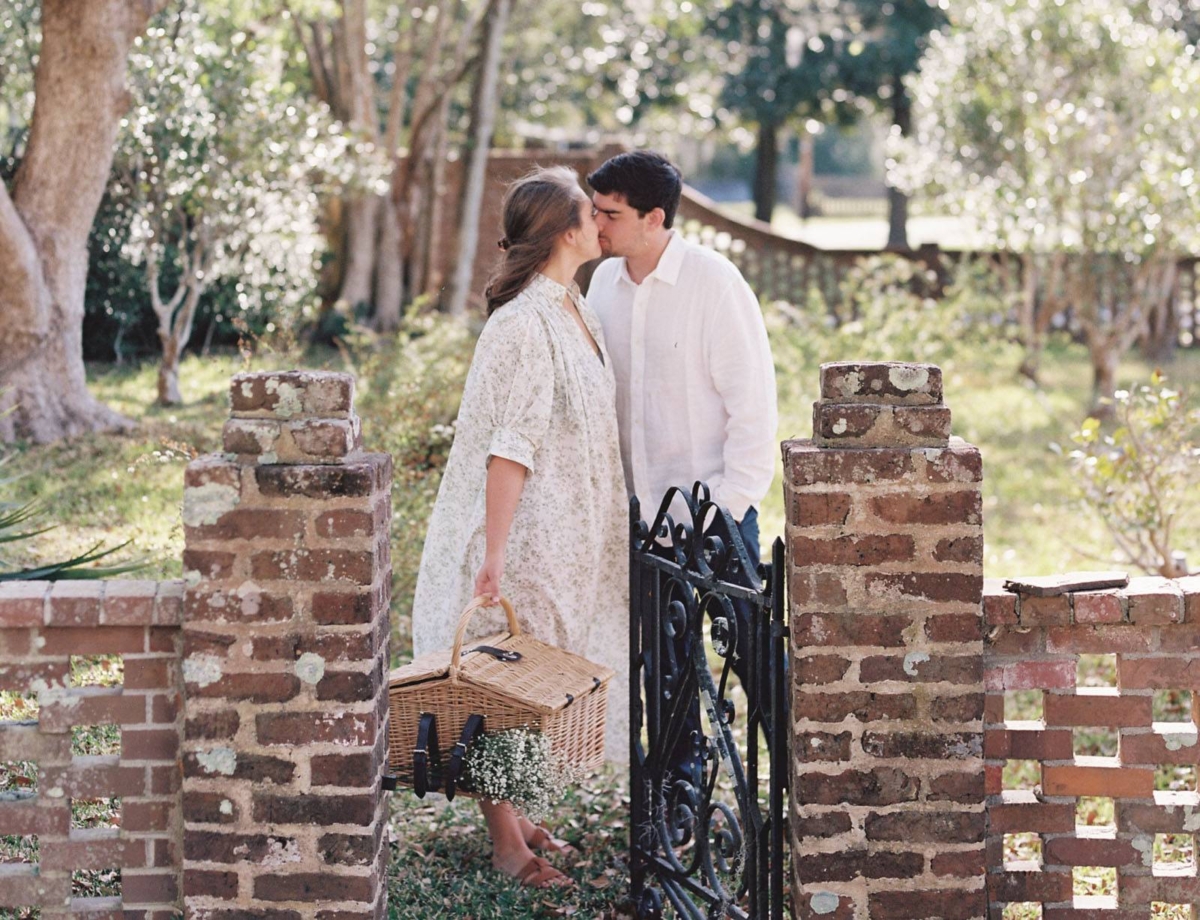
x=471 y=733
x=427 y=756
x=465 y=618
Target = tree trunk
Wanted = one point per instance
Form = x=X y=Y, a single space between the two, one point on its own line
x=479 y=142
x=1105 y=359
x=765 y=166
x=79 y=99
x=804 y=176
x=360 y=228
x=897 y=201
x=389 y=269
x=1031 y=336
x=168 y=372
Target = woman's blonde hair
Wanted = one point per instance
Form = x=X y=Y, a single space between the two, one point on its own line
x=538 y=208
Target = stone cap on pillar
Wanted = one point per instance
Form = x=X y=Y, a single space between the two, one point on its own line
x=292 y=417
x=881 y=404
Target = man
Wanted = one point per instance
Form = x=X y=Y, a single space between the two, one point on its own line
x=695 y=379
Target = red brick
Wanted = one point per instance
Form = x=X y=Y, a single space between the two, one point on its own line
x=315 y=565
x=213 y=565
x=1035 y=675
x=228 y=606
x=221 y=886
x=1153 y=601
x=345 y=523
x=209 y=808
x=816 y=589
x=252 y=524
x=219 y=847
x=1190 y=586
x=820 y=669
x=1015 y=641
x=254 y=688
x=954 y=627
x=1090 y=851
x=881 y=786
x=821 y=825
x=220 y=725
x=923 y=745
x=808 y=464
x=1020 y=744
x=1022 y=813
x=82 y=640
x=297 y=808
x=129 y=603
x=959 y=549
x=1111 y=782
x=91 y=850
x=950 y=669
x=315 y=887
x=75 y=603
x=257 y=768
x=23 y=603
x=927 y=827
x=961 y=788
x=821 y=746
x=152 y=744
x=844 y=910
x=18 y=677
x=831 y=629
x=1184 y=638
x=165 y=779
x=92 y=706
x=311 y=394
x=962 y=507
x=349 y=686
x=921 y=905
x=349 y=770
x=93 y=782
x=960 y=462
x=993 y=707
x=293 y=728
x=32 y=818
x=1029 y=886
x=344 y=608
x=164 y=708
x=146 y=817
x=1144 y=818
x=212 y=469
x=348 y=480
x=1097 y=640
x=958 y=863
x=150 y=673
x=1169 y=889
x=1107 y=709
x=1152 y=748
x=884 y=382
x=933 y=586
x=864 y=706
x=1158 y=673
x=868 y=549
x=965 y=708
x=816 y=509
x=163 y=640
x=1044 y=611
x=999 y=606
x=1098 y=607
x=168 y=603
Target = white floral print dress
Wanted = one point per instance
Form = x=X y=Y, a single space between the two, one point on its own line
x=537 y=393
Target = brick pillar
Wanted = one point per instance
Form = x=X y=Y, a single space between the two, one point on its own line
x=285 y=658
x=885 y=552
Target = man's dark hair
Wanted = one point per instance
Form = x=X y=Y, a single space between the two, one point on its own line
x=645 y=179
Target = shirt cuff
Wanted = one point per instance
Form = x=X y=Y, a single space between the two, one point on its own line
x=514 y=446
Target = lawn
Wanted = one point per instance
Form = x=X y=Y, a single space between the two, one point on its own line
x=129 y=487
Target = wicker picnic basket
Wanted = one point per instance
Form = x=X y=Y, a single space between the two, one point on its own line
x=540 y=687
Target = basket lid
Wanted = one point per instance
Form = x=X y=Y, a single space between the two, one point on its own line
x=545 y=678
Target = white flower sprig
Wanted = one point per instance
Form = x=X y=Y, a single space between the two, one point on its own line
x=517 y=766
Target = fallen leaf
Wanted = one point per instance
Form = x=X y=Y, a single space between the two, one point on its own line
x=600 y=882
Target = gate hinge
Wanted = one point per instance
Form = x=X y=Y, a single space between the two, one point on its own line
x=780 y=630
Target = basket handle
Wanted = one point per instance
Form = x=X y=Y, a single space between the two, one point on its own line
x=481 y=601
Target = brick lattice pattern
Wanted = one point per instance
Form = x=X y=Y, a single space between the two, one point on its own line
x=42 y=626
x=885 y=577
x=1147 y=636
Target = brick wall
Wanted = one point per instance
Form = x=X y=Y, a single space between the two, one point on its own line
x=252 y=715
x=42 y=627
x=885 y=550
x=1091 y=717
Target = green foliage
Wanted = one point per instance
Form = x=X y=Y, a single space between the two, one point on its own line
x=1139 y=477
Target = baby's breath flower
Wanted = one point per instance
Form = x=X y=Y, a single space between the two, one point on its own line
x=517 y=766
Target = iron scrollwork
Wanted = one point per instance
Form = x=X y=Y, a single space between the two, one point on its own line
x=702 y=840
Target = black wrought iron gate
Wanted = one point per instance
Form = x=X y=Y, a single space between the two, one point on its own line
x=707 y=834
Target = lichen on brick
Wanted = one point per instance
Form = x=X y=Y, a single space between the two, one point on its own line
x=221 y=760
x=207 y=503
x=824 y=902
x=310 y=667
x=201 y=670
x=908 y=377
x=288 y=401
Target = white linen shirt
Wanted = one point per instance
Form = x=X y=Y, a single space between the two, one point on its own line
x=695 y=377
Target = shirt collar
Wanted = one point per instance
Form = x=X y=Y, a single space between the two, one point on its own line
x=670 y=263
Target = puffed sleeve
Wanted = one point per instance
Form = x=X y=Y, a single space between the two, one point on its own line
x=514 y=370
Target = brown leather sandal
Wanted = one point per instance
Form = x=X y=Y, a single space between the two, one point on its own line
x=542 y=839
x=538 y=873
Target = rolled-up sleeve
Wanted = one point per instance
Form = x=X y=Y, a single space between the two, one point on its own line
x=515 y=367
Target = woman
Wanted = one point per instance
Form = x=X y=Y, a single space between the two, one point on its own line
x=532 y=503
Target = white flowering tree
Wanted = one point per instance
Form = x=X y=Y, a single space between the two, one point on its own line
x=222 y=162
x=1067 y=129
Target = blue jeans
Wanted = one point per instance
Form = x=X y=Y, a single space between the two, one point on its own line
x=685 y=757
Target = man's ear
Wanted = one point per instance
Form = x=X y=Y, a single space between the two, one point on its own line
x=655 y=218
